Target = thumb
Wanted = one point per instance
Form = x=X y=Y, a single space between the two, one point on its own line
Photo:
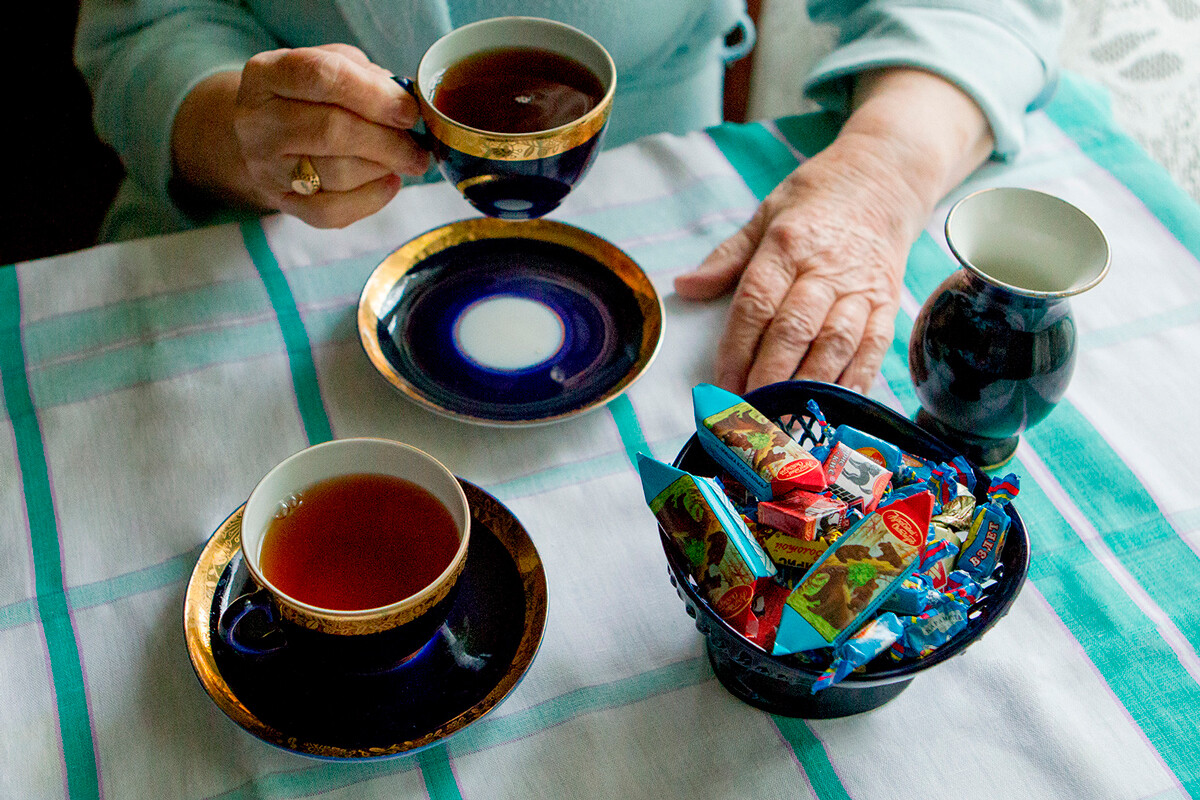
x=719 y=273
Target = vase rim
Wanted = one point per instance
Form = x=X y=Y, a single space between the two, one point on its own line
x=977 y=222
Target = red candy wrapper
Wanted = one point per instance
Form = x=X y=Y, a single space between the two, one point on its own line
x=804 y=515
x=760 y=622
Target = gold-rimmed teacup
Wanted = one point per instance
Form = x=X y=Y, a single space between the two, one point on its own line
x=521 y=175
x=271 y=623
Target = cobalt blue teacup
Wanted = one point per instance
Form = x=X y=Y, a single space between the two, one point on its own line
x=271 y=625
x=522 y=175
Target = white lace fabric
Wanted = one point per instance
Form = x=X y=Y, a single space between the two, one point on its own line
x=1147 y=53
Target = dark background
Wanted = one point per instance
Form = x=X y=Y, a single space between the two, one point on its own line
x=56 y=177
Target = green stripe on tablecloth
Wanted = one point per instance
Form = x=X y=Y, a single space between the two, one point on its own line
x=629 y=428
x=1080 y=111
x=495 y=731
x=810 y=133
x=812 y=756
x=1125 y=515
x=440 y=782
x=140 y=362
x=89 y=595
x=14 y=615
x=169 y=572
x=66 y=668
x=760 y=158
x=295 y=337
x=122 y=323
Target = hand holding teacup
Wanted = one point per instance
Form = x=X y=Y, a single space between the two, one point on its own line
x=325 y=115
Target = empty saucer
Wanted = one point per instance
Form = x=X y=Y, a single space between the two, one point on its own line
x=510 y=323
x=466 y=670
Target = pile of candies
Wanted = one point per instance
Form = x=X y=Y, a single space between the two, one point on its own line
x=834 y=546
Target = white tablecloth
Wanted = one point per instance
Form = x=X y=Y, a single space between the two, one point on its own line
x=147 y=386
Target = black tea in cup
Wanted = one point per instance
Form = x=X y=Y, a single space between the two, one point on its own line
x=517 y=90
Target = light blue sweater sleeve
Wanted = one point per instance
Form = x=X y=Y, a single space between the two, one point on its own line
x=1000 y=52
x=140 y=61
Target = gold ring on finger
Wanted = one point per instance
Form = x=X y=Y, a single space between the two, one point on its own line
x=305 y=179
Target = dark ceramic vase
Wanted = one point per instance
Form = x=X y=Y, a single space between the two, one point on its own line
x=993 y=347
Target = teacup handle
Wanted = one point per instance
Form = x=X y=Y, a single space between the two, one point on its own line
x=265 y=642
x=420 y=135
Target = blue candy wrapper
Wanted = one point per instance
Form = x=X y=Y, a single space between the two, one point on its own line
x=982 y=545
x=872 y=639
x=915 y=594
x=727 y=562
x=929 y=630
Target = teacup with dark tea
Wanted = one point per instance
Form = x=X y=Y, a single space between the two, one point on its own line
x=514 y=127
x=356 y=546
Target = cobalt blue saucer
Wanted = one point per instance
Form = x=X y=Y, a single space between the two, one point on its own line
x=509 y=323
x=474 y=662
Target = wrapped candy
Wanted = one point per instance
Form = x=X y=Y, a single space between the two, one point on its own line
x=802 y=514
x=941 y=552
x=855 y=479
x=868 y=642
x=854 y=576
x=727 y=563
x=760 y=622
x=756 y=451
x=786 y=550
x=885 y=454
x=914 y=594
x=981 y=549
x=958 y=511
x=933 y=627
x=831 y=547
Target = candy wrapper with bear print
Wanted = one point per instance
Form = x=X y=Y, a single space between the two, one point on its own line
x=855 y=575
x=728 y=565
x=756 y=451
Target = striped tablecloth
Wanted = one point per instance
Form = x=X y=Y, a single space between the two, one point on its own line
x=148 y=385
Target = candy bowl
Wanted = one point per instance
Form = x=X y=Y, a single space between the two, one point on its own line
x=783 y=684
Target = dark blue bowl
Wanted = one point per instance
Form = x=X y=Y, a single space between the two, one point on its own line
x=783 y=684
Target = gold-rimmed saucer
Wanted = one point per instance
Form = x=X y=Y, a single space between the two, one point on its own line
x=475 y=662
x=504 y=323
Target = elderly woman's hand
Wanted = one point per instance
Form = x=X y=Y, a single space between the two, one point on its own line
x=819 y=268
x=238 y=136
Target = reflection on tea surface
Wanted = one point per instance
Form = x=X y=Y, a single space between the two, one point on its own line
x=517 y=90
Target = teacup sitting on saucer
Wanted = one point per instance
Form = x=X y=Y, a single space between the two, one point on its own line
x=357 y=545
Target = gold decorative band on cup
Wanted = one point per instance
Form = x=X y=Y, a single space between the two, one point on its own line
x=376 y=623
x=518 y=146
